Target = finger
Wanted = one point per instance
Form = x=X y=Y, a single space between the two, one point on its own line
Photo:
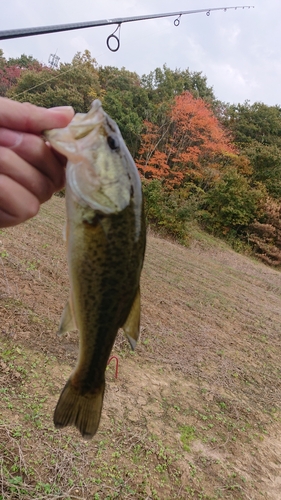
x=17 y=169
x=37 y=153
x=17 y=204
x=60 y=157
x=30 y=118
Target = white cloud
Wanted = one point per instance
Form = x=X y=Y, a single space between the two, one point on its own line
x=79 y=44
x=230 y=35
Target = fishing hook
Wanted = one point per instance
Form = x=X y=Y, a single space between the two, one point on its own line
x=115 y=38
x=116 y=364
x=177 y=21
x=208 y=13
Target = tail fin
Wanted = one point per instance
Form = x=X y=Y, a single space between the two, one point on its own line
x=83 y=411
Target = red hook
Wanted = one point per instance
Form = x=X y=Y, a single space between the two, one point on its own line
x=116 y=364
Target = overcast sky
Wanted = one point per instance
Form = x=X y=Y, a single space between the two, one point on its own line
x=237 y=50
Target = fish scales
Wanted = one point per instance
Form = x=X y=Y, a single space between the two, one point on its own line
x=105 y=246
x=119 y=280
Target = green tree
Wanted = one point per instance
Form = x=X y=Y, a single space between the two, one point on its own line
x=163 y=84
x=125 y=101
x=266 y=163
x=232 y=204
x=26 y=62
x=3 y=61
x=257 y=122
x=256 y=130
x=75 y=84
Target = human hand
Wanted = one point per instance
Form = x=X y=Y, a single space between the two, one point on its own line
x=30 y=171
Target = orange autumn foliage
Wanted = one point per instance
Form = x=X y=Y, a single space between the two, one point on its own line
x=189 y=143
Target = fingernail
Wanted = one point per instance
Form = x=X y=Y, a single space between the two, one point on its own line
x=62 y=108
x=10 y=138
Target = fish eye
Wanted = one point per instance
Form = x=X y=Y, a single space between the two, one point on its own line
x=113 y=143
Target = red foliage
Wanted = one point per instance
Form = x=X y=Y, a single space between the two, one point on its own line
x=8 y=77
x=190 y=141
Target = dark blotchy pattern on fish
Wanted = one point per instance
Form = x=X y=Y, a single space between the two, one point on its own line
x=109 y=288
x=111 y=281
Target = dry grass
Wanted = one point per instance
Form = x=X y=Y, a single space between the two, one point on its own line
x=194 y=413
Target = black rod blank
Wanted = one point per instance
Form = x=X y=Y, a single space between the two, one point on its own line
x=42 y=30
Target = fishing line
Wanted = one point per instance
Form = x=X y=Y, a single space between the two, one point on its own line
x=49 y=79
x=60 y=75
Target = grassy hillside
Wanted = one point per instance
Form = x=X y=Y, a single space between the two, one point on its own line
x=194 y=412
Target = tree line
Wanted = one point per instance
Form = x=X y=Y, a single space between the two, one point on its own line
x=201 y=160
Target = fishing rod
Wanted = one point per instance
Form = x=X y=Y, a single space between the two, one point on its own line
x=42 y=30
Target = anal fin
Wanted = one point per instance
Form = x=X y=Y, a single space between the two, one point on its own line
x=67 y=322
x=132 y=325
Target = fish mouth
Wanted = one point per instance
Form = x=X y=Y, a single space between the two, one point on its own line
x=82 y=125
x=80 y=134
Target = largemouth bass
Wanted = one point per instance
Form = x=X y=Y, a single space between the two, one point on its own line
x=105 y=236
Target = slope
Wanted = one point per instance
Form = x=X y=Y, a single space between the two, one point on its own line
x=194 y=412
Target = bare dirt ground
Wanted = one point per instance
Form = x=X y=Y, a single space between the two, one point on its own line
x=194 y=412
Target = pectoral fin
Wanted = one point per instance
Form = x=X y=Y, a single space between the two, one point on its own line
x=67 y=322
x=132 y=325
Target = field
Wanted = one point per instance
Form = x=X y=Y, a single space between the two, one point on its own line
x=194 y=412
